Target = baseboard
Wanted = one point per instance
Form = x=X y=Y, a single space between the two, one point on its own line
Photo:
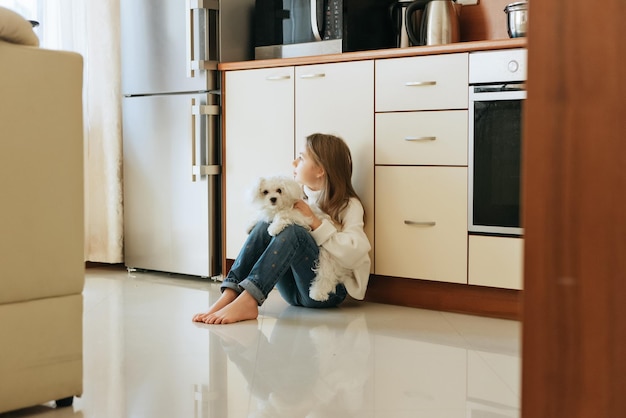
x=449 y=297
x=114 y=266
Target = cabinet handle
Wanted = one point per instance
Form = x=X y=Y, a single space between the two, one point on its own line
x=420 y=83
x=318 y=75
x=415 y=223
x=278 y=77
x=420 y=138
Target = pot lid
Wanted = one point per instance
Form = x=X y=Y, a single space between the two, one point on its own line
x=520 y=5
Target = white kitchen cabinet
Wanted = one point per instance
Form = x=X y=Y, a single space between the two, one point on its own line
x=259 y=126
x=421 y=222
x=496 y=261
x=422 y=83
x=421 y=168
x=422 y=138
x=269 y=113
x=339 y=99
x=405 y=121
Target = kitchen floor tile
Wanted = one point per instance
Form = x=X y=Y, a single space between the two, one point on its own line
x=144 y=357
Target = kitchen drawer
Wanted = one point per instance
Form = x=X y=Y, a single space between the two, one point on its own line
x=422 y=83
x=422 y=138
x=496 y=261
x=421 y=223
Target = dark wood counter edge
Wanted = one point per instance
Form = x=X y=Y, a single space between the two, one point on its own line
x=378 y=54
x=450 y=297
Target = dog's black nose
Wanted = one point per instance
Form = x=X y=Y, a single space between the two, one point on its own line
x=273 y=200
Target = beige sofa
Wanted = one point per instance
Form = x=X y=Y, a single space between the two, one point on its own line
x=41 y=226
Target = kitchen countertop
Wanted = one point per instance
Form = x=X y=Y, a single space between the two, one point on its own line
x=378 y=54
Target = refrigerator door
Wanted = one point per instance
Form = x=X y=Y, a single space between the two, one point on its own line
x=162 y=41
x=170 y=184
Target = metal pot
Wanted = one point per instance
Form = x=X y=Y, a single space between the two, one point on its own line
x=517 y=19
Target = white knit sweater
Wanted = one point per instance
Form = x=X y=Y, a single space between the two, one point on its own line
x=349 y=245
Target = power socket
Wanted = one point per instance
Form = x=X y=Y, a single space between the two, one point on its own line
x=467 y=2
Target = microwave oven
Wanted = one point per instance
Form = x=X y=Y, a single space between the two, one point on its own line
x=290 y=28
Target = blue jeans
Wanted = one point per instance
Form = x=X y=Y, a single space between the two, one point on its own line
x=285 y=261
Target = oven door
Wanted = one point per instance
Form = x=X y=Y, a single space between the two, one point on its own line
x=495 y=122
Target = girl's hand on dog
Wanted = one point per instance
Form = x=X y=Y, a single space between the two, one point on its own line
x=304 y=208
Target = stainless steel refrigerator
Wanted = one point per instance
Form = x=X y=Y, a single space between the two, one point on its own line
x=171 y=128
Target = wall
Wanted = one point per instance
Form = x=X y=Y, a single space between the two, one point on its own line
x=486 y=20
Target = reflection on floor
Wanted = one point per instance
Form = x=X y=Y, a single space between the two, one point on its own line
x=143 y=357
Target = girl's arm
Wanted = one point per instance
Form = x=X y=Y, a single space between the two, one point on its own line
x=349 y=245
x=305 y=209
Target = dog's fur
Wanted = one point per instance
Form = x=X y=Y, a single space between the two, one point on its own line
x=275 y=198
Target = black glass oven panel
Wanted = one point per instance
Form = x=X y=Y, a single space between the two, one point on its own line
x=497 y=163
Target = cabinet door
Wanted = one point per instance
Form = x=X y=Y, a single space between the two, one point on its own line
x=422 y=138
x=338 y=99
x=496 y=261
x=422 y=83
x=421 y=223
x=258 y=132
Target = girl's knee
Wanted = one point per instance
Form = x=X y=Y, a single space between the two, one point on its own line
x=259 y=228
x=294 y=232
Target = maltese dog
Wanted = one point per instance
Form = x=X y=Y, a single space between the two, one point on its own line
x=275 y=198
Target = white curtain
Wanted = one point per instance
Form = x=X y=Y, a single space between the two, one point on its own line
x=103 y=125
x=92 y=29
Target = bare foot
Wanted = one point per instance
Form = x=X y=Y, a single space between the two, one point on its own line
x=243 y=308
x=228 y=295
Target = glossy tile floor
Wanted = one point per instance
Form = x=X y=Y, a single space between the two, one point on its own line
x=143 y=357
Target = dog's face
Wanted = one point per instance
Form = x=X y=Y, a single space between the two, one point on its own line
x=277 y=193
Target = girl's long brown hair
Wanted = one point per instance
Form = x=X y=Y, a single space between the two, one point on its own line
x=333 y=155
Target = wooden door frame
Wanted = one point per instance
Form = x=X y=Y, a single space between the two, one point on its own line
x=574 y=204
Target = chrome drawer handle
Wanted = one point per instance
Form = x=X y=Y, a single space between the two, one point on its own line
x=415 y=223
x=420 y=138
x=278 y=77
x=318 y=75
x=420 y=83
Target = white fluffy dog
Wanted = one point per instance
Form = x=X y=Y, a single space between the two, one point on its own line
x=275 y=198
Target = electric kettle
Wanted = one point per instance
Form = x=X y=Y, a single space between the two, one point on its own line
x=439 y=23
x=398 y=17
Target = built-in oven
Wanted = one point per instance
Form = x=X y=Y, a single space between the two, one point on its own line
x=496 y=99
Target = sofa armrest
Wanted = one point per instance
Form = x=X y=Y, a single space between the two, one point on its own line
x=41 y=173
